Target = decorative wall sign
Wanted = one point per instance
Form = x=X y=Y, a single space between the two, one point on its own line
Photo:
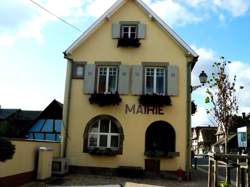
x=140 y=109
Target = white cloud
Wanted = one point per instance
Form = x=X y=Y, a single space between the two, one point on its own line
x=235 y=7
x=173 y=13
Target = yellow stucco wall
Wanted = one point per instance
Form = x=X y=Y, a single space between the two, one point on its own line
x=156 y=47
x=24 y=157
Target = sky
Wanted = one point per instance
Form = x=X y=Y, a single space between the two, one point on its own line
x=32 y=67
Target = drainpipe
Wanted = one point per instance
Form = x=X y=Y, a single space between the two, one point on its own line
x=190 y=66
x=66 y=105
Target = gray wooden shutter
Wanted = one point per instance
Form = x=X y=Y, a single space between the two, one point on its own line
x=116 y=28
x=89 y=80
x=137 y=77
x=172 y=80
x=123 y=85
x=141 y=30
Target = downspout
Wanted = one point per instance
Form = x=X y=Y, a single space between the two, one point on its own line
x=66 y=106
x=190 y=66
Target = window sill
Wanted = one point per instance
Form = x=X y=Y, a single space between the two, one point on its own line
x=104 y=152
x=155 y=100
x=161 y=154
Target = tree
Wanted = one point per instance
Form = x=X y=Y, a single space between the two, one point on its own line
x=222 y=98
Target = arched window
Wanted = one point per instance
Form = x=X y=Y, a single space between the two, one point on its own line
x=160 y=139
x=103 y=135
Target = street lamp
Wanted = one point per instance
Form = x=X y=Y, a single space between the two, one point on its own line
x=203 y=80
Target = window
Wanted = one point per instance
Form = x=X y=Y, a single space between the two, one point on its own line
x=155 y=80
x=103 y=134
x=128 y=31
x=107 y=79
x=77 y=71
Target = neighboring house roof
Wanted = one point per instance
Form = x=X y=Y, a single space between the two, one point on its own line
x=208 y=135
x=5 y=113
x=222 y=141
x=197 y=130
x=151 y=13
x=52 y=111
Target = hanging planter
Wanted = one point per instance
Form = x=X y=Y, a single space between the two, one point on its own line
x=102 y=99
x=155 y=100
x=193 y=107
x=128 y=42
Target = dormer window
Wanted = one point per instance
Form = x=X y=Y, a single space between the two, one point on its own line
x=129 y=31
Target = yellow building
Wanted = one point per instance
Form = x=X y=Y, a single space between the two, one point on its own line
x=127 y=96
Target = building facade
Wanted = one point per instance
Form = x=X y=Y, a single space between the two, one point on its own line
x=127 y=95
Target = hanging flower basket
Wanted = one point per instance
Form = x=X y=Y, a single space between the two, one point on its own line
x=155 y=100
x=193 y=107
x=102 y=99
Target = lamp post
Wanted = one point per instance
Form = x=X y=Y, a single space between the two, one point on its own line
x=203 y=80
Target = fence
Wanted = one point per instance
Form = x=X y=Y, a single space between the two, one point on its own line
x=240 y=162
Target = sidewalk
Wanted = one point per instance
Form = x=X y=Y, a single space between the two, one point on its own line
x=199 y=179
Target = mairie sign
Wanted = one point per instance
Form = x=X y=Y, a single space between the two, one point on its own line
x=140 y=109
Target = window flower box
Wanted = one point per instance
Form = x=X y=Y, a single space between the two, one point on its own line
x=155 y=100
x=102 y=99
x=103 y=151
x=128 y=42
x=159 y=153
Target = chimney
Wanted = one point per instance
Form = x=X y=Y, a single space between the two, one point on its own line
x=243 y=115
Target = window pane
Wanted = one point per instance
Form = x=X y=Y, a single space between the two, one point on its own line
x=104 y=126
x=79 y=71
x=114 y=128
x=125 y=29
x=102 y=83
x=133 y=29
x=103 y=140
x=94 y=127
x=92 y=140
x=132 y=35
x=149 y=84
x=159 y=85
x=114 y=141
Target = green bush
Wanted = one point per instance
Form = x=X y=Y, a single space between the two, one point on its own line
x=7 y=150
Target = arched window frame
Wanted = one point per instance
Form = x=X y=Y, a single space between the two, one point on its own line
x=172 y=151
x=99 y=150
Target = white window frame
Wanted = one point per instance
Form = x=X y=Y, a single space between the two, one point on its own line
x=129 y=30
x=107 y=78
x=108 y=134
x=155 y=79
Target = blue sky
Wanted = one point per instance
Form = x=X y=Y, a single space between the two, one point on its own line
x=32 y=67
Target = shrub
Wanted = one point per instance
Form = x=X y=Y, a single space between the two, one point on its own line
x=7 y=150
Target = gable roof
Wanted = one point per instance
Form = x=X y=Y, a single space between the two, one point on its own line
x=150 y=12
x=5 y=113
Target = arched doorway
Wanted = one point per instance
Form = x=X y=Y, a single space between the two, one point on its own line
x=160 y=139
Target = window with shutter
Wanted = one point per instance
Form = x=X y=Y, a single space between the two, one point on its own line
x=107 y=79
x=128 y=33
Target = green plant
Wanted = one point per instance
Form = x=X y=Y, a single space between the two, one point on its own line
x=7 y=150
x=105 y=99
x=155 y=100
x=223 y=184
